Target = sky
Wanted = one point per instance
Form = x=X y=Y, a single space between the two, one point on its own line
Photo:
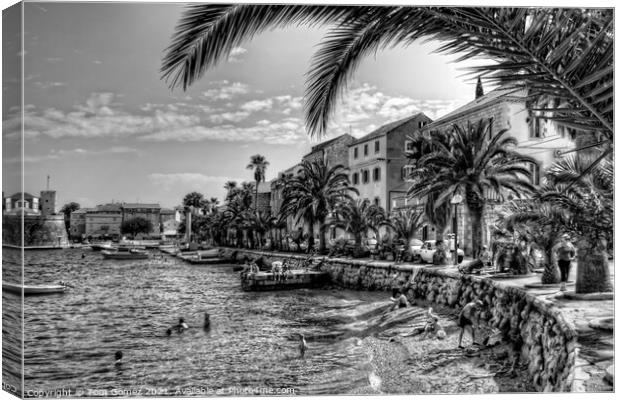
x=101 y=122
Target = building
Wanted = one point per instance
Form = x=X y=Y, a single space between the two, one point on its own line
x=22 y=201
x=264 y=197
x=506 y=109
x=77 y=222
x=48 y=202
x=103 y=221
x=150 y=212
x=333 y=152
x=170 y=220
x=377 y=161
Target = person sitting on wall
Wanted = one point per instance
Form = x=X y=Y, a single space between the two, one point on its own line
x=468 y=317
x=399 y=299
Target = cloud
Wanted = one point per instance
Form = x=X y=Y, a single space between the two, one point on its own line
x=235 y=54
x=47 y=85
x=53 y=60
x=257 y=105
x=187 y=181
x=287 y=131
x=224 y=90
x=228 y=117
x=97 y=62
x=62 y=154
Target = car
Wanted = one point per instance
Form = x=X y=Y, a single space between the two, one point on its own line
x=414 y=247
x=428 y=250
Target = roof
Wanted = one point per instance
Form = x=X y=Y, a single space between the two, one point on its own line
x=26 y=196
x=167 y=211
x=142 y=205
x=326 y=143
x=481 y=102
x=387 y=128
x=111 y=207
x=81 y=211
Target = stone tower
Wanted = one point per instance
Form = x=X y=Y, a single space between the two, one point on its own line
x=47 y=203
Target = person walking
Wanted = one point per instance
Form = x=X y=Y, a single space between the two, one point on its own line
x=565 y=254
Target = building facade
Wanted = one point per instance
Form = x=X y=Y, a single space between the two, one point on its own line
x=333 y=152
x=103 y=221
x=539 y=138
x=77 y=221
x=150 y=212
x=377 y=161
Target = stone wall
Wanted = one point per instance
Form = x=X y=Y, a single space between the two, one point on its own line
x=38 y=230
x=548 y=343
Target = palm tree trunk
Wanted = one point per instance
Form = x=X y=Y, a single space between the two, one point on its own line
x=551 y=274
x=322 y=239
x=310 y=236
x=592 y=271
x=475 y=206
x=256 y=199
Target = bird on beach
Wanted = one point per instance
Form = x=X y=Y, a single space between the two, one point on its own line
x=303 y=346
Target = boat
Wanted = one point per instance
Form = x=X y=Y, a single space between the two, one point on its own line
x=102 y=246
x=33 y=289
x=125 y=254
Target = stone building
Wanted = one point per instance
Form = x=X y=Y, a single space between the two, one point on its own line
x=150 y=212
x=77 y=221
x=22 y=201
x=333 y=152
x=376 y=161
x=264 y=197
x=48 y=202
x=538 y=138
x=103 y=221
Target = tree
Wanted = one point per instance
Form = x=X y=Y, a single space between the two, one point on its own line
x=259 y=165
x=407 y=222
x=359 y=217
x=136 y=225
x=564 y=56
x=193 y=199
x=585 y=194
x=67 y=209
x=474 y=165
x=313 y=194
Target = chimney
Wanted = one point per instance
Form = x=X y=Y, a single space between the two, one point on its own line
x=479 y=90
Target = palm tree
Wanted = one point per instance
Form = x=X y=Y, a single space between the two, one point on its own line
x=541 y=223
x=230 y=186
x=193 y=199
x=564 y=56
x=313 y=194
x=359 y=217
x=407 y=222
x=474 y=165
x=588 y=201
x=259 y=164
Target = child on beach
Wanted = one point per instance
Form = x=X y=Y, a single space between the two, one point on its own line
x=432 y=323
x=399 y=299
x=468 y=317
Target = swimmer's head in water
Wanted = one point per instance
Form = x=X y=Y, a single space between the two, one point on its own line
x=181 y=320
x=168 y=331
x=118 y=355
x=479 y=303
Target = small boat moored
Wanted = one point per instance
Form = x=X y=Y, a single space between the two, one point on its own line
x=102 y=246
x=125 y=254
x=33 y=289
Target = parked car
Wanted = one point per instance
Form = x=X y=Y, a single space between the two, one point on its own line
x=428 y=250
x=415 y=245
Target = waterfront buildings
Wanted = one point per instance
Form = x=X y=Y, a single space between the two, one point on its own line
x=103 y=221
x=377 y=162
x=43 y=205
x=537 y=137
x=150 y=212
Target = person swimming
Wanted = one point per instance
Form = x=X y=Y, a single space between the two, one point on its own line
x=168 y=331
x=181 y=326
x=303 y=346
x=118 y=356
x=207 y=323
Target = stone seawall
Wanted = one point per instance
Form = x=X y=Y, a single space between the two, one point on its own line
x=38 y=230
x=548 y=343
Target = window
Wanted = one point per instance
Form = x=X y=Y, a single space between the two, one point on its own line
x=406 y=173
x=355 y=152
x=365 y=176
x=409 y=145
x=535 y=171
x=421 y=124
x=366 y=149
x=377 y=146
x=356 y=178
x=376 y=174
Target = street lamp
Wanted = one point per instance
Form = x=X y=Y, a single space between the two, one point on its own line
x=456 y=200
